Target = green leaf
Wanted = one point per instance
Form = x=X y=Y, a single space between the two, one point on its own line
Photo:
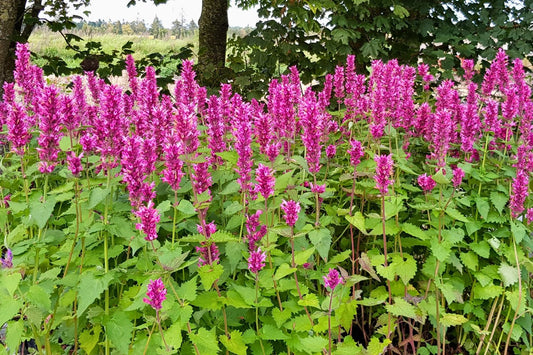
x=499 y=200
x=40 y=212
x=440 y=178
x=90 y=288
x=452 y=320
x=233 y=208
x=89 y=338
x=283 y=270
x=301 y=257
x=453 y=235
x=10 y=282
x=321 y=239
x=119 y=329
x=486 y=292
x=376 y=347
x=452 y=212
x=358 y=221
x=470 y=260
x=163 y=207
x=231 y=188
x=340 y=257
x=401 y=308
x=97 y=195
x=346 y=313
x=309 y=300
x=173 y=335
x=38 y=297
x=209 y=300
x=234 y=252
x=441 y=250
x=14 y=333
x=10 y=307
x=518 y=230
x=209 y=274
x=206 y=341
x=415 y=231
x=314 y=344
x=270 y=332
x=481 y=248
x=280 y=317
x=235 y=343
x=348 y=347
x=508 y=273
x=405 y=267
x=400 y=11
x=186 y=207
x=483 y=207
x=283 y=181
x=230 y=156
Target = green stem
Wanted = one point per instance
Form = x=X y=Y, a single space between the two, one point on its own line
x=329 y=321
x=257 y=311
x=158 y=321
x=175 y=217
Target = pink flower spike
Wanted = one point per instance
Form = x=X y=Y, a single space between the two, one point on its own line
x=333 y=279
x=265 y=181
x=74 y=163
x=384 y=170
x=256 y=261
x=356 y=152
x=291 y=210
x=458 y=175
x=319 y=189
x=426 y=182
x=529 y=215
x=331 y=151
x=149 y=218
x=156 y=293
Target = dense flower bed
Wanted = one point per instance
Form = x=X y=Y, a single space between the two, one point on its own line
x=387 y=211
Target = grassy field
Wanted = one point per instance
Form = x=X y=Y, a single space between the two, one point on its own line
x=47 y=43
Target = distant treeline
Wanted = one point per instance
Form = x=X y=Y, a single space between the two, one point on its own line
x=180 y=28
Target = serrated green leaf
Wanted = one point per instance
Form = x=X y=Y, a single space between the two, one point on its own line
x=518 y=230
x=186 y=207
x=486 y=292
x=415 y=231
x=231 y=188
x=401 y=307
x=483 y=207
x=89 y=338
x=321 y=239
x=301 y=257
x=357 y=220
x=98 y=194
x=40 y=212
x=283 y=270
x=280 y=317
x=346 y=313
x=452 y=212
x=470 y=260
x=209 y=274
x=453 y=235
x=10 y=282
x=309 y=300
x=339 y=258
x=348 y=347
x=38 y=297
x=14 y=333
x=499 y=200
x=440 y=178
x=313 y=344
x=405 y=267
x=173 y=335
x=376 y=347
x=299 y=323
x=452 y=320
x=205 y=340
x=233 y=208
x=283 y=181
x=119 y=330
x=90 y=288
x=270 y=332
x=400 y=11
x=441 y=250
x=235 y=343
x=508 y=273
x=481 y=248
x=234 y=252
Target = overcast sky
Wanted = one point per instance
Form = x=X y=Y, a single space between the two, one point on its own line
x=174 y=9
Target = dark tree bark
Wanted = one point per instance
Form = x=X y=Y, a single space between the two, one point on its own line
x=213 y=35
x=8 y=20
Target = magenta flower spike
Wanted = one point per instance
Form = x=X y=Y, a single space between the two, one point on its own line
x=156 y=293
x=519 y=193
x=49 y=120
x=468 y=67
x=311 y=119
x=256 y=261
x=458 y=175
x=356 y=152
x=215 y=130
x=384 y=170
x=338 y=83
x=332 y=279
x=290 y=209
x=172 y=173
x=201 y=178
x=426 y=183
x=7 y=261
x=132 y=75
x=255 y=230
x=529 y=215
x=74 y=163
x=149 y=218
x=265 y=181
x=243 y=141
x=17 y=127
x=331 y=151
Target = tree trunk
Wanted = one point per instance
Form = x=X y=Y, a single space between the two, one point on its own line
x=213 y=35
x=8 y=20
